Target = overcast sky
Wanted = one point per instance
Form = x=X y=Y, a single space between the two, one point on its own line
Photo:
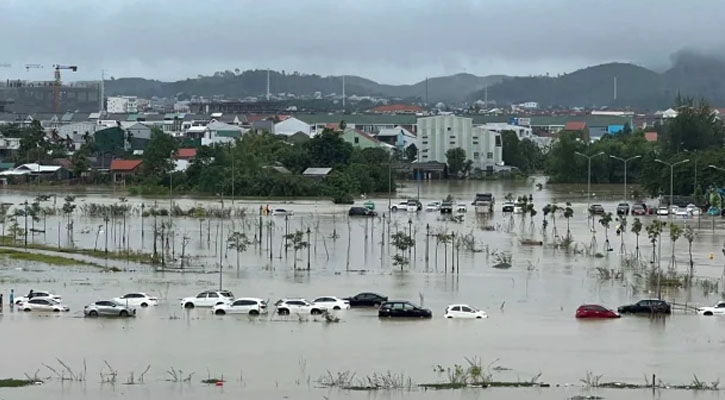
x=389 y=41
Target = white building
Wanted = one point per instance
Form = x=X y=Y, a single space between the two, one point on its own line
x=290 y=126
x=530 y=105
x=523 y=132
x=122 y=104
x=441 y=133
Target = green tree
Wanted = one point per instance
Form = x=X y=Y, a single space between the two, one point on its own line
x=456 y=159
x=605 y=220
x=636 y=229
x=411 y=153
x=297 y=242
x=79 y=161
x=157 y=161
x=328 y=149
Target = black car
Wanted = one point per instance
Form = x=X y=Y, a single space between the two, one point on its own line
x=596 y=209
x=623 y=209
x=366 y=300
x=652 y=306
x=446 y=207
x=362 y=212
x=508 y=207
x=403 y=309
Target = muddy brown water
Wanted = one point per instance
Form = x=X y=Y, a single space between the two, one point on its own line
x=531 y=328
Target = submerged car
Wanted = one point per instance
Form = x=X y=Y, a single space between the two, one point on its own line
x=361 y=212
x=403 y=309
x=717 y=309
x=663 y=211
x=403 y=205
x=464 y=311
x=45 y=304
x=33 y=294
x=296 y=306
x=281 y=212
x=366 y=300
x=596 y=209
x=639 y=209
x=446 y=207
x=595 y=311
x=693 y=210
x=508 y=207
x=327 y=303
x=433 y=206
x=648 y=306
x=136 y=300
x=244 y=305
x=108 y=308
x=208 y=298
x=623 y=209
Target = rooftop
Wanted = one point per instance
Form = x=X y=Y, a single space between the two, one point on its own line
x=125 y=165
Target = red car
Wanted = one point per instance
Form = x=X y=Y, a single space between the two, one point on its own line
x=595 y=311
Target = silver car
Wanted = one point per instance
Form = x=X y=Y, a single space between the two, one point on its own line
x=107 y=308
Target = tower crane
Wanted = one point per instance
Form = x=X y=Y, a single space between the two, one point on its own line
x=56 y=85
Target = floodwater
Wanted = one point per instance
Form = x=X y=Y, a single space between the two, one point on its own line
x=531 y=329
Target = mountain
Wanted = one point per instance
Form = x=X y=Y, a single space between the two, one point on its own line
x=452 y=88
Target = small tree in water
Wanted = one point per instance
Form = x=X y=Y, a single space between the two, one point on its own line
x=636 y=229
x=402 y=242
x=621 y=230
x=238 y=241
x=675 y=233
x=654 y=230
x=297 y=243
x=690 y=236
x=568 y=213
x=605 y=220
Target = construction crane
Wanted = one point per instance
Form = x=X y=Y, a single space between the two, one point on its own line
x=56 y=85
x=28 y=67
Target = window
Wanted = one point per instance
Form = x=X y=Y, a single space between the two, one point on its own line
x=475 y=142
x=424 y=137
x=425 y=142
x=476 y=155
x=489 y=155
x=466 y=309
x=242 y=303
x=213 y=295
x=453 y=136
x=357 y=140
x=398 y=306
x=720 y=305
x=448 y=128
x=425 y=150
x=424 y=156
x=475 y=138
x=409 y=307
x=201 y=296
x=498 y=140
x=456 y=308
x=453 y=143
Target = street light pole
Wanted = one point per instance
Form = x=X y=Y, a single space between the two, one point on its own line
x=672 y=175
x=589 y=175
x=625 y=170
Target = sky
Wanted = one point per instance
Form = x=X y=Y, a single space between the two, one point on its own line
x=392 y=42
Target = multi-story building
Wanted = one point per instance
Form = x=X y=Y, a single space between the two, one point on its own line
x=441 y=133
x=122 y=104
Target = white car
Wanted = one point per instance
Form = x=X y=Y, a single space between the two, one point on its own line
x=329 y=303
x=36 y=294
x=693 y=210
x=44 y=304
x=518 y=208
x=281 y=212
x=682 y=212
x=717 y=309
x=663 y=211
x=136 y=300
x=209 y=298
x=464 y=311
x=403 y=205
x=461 y=208
x=433 y=206
x=243 y=305
x=296 y=306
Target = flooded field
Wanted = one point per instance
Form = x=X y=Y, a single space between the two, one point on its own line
x=531 y=328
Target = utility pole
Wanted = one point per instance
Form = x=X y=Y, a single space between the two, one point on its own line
x=268 y=84
x=615 y=88
x=589 y=176
x=102 y=99
x=426 y=91
x=625 y=170
x=343 y=94
x=672 y=175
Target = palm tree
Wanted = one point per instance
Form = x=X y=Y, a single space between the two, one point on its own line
x=690 y=236
x=675 y=233
x=605 y=220
x=568 y=213
x=636 y=229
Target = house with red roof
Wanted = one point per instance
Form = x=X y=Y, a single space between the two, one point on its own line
x=185 y=154
x=579 y=127
x=650 y=136
x=121 y=170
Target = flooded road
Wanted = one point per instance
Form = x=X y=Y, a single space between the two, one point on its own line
x=531 y=328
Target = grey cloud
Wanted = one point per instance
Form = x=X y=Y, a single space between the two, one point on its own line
x=390 y=41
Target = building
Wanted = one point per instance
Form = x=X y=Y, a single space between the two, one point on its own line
x=522 y=132
x=121 y=170
x=219 y=132
x=529 y=105
x=397 y=109
x=290 y=126
x=122 y=104
x=362 y=140
x=650 y=136
x=582 y=128
x=441 y=133
x=399 y=137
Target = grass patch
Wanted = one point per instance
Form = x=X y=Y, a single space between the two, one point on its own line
x=11 y=382
x=444 y=386
x=135 y=256
x=212 y=381
x=49 y=259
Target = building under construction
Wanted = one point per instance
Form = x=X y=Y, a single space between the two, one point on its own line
x=45 y=96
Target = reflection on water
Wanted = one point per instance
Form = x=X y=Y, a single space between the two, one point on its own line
x=531 y=328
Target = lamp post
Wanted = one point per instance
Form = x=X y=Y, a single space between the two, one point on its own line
x=672 y=174
x=589 y=174
x=308 y=248
x=625 y=161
